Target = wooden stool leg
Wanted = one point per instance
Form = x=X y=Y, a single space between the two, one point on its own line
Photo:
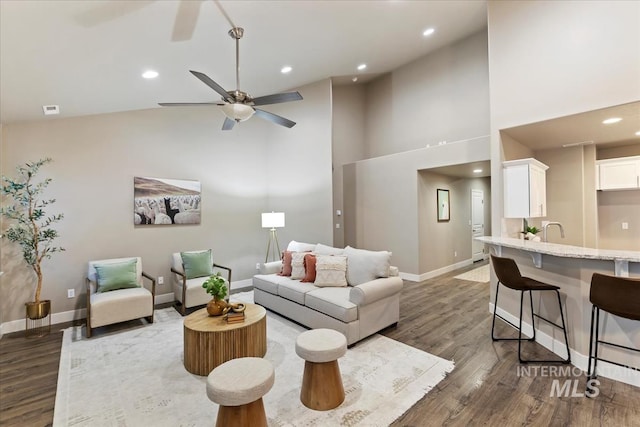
x=252 y=414
x=322 y=386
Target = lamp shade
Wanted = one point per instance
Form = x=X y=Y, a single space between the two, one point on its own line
x=273 y=220
x=238 y=112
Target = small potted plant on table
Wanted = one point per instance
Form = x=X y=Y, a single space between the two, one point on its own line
x=216 y=286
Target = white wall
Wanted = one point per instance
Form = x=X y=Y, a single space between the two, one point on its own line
x=551 y=59
x=255 y=168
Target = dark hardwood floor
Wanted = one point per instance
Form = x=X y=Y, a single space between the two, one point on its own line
x=443 y=316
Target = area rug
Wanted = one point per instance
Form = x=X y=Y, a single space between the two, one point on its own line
x=137 y=378
x=480 y=274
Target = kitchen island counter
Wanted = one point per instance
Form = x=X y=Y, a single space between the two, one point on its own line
x=570 y=268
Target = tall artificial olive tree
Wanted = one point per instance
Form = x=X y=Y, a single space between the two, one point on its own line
x=29 y=226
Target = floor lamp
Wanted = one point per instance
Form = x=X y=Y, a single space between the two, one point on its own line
x=273 y=220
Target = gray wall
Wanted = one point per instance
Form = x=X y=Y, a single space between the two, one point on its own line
x=385 y=195
x=255 y=168
x=440 y=240
x=348 y=143
x=443 y=96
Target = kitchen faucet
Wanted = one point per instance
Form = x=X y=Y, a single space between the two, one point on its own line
x=546 y=225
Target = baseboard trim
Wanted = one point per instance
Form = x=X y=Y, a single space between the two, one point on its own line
x=81 y=313
x=433 y=273
x=579 y=360
x=62 y=317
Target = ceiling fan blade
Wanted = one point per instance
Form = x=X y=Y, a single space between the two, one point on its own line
x=274 y=118
x=277 y=98
x=186 y=19
x=228 y=124
x=213 y=85
x=188 y=104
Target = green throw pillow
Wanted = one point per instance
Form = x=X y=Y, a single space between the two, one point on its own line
x=197 y=264
x=118 y=275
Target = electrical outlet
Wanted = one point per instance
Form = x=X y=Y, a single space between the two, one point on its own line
x=160 y=280
x=455 y=253
x=71 y=293
x=257 y=266
x=625 y=225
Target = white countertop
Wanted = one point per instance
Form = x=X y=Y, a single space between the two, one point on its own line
x=559 y=250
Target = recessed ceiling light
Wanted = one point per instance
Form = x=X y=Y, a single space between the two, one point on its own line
x=362 y=67
x=150 y=74
x=612 y=120
x=428 y=32
x=355 y=79
x=477 y=170
x=638 y=133
x=286 y=69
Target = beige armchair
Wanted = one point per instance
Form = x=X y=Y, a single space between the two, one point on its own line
x=187 y=289
x=116 y=292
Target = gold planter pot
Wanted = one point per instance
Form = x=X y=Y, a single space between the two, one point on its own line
x=38 y=310
x=37 y=319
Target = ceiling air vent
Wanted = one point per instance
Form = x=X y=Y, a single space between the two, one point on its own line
x=51 y=109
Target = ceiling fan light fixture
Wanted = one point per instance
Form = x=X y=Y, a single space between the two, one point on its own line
x=237 y=111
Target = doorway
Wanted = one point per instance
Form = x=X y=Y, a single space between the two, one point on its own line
x=477 y=224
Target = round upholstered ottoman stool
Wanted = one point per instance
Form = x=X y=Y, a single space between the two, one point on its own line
x=238 y=386
x=321 y=383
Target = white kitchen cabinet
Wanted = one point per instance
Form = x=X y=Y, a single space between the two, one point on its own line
x=525 y=188
x=618 y=174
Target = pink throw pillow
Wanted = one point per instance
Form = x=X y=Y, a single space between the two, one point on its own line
x=309 y=268
x=286 y=264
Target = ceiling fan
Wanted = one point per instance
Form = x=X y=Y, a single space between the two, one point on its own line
x=238 y=106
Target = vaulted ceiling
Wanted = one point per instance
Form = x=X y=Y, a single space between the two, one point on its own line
x=88 y=56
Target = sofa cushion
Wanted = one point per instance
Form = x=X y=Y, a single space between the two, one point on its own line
x=327 y=250
x=267 y=282
x=125 y=304
x=331 y=270
x=195 y=293
x=364 y=266
x=309 y=269
x=297 y=265
x=117 y=275
x=333 y=302
x=197 y=264
x=300 y=247
x=294 y=290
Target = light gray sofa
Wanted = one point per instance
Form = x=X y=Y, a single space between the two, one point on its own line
x=356 y=311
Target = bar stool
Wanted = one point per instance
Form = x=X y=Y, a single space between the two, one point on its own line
x=509 y=275
x=619 y=296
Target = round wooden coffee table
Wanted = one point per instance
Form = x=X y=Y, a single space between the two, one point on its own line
x=210 y=341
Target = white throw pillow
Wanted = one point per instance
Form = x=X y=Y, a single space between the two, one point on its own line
x=331 y=271
x=297 y=265
x=300 y=247
x=327 y=250
x=364 y=266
